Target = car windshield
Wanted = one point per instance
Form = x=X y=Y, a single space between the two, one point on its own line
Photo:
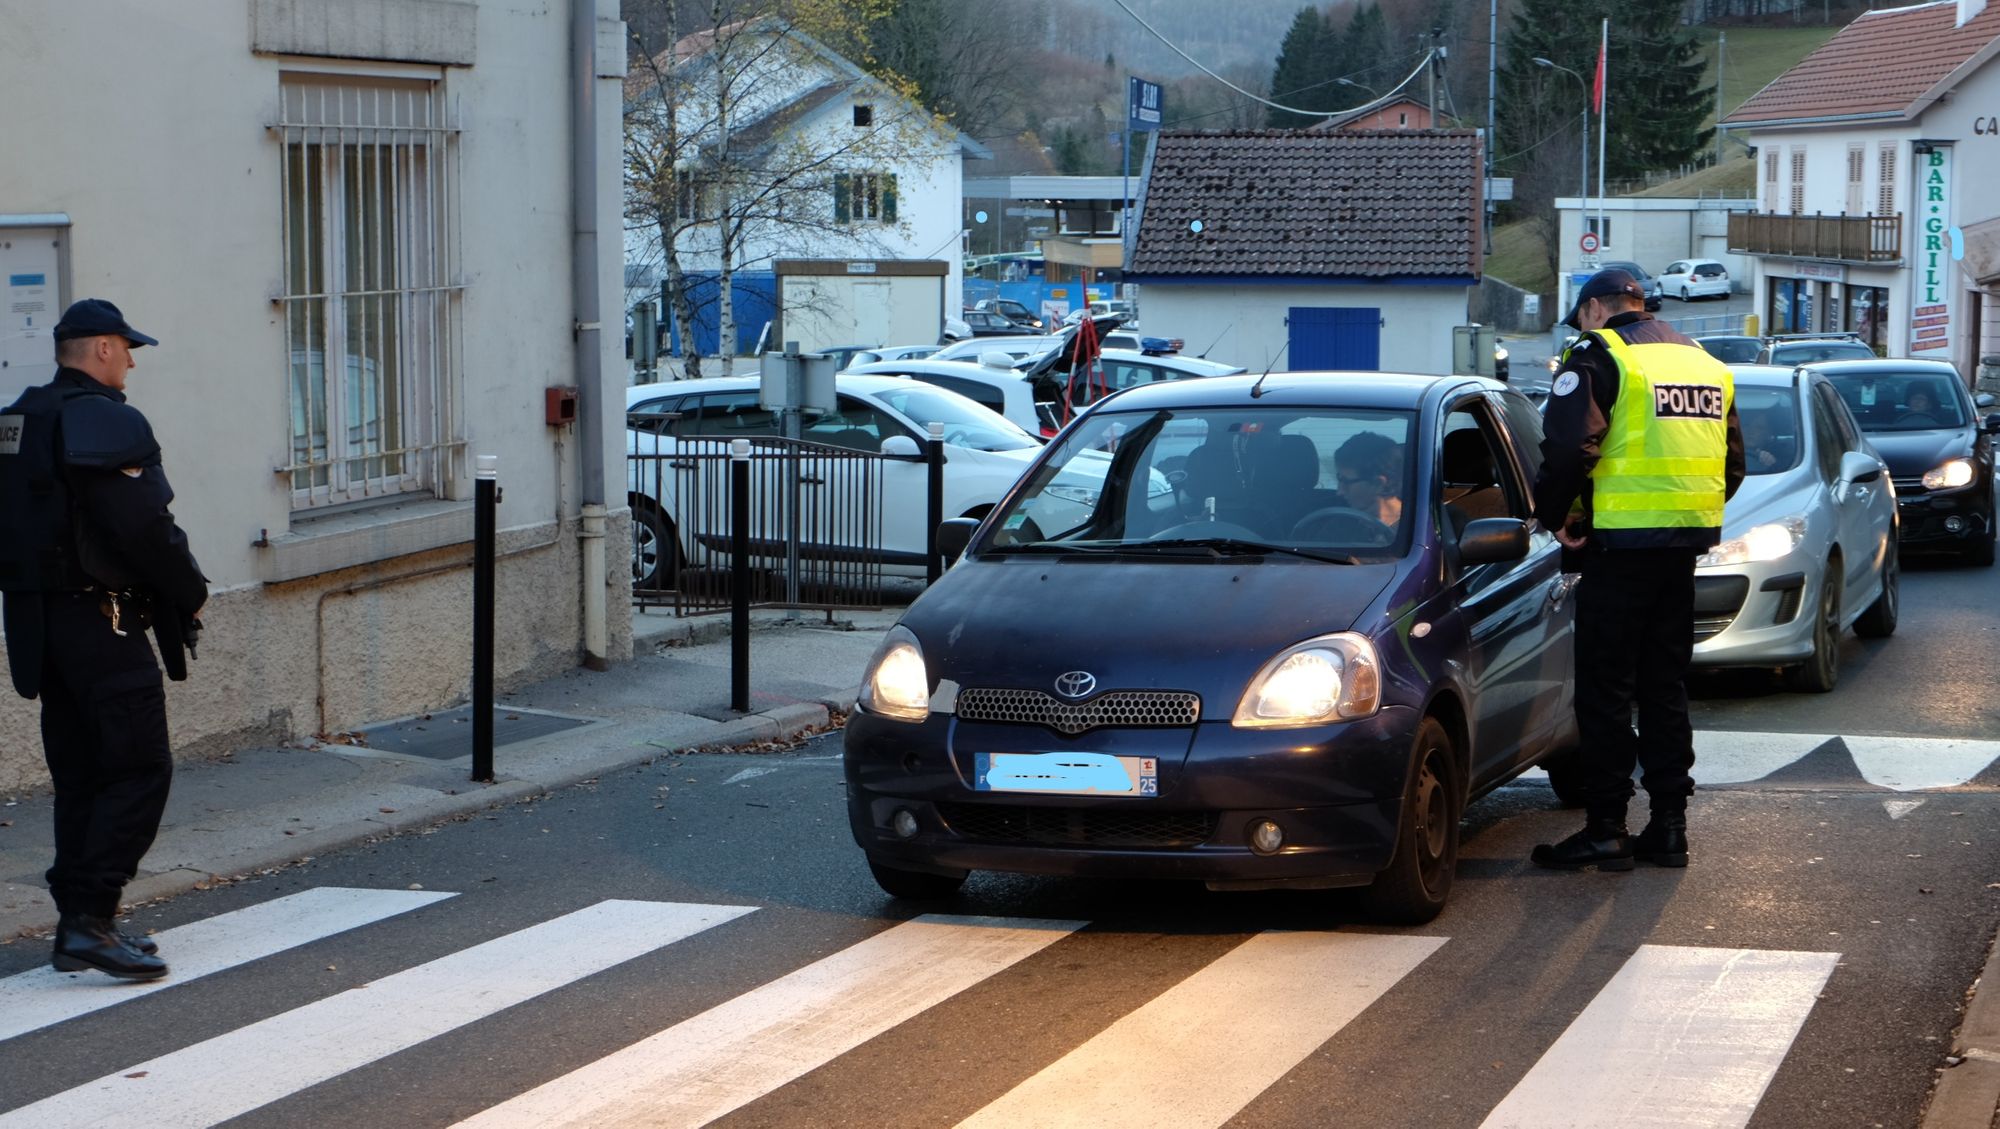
x=1731 y=350
x=1808 y=352
x=1900 y=401
x=1769 y=418
x=1321 y=483
x=966 y=424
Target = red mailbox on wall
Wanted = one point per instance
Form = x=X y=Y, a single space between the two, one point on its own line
x=561 y=405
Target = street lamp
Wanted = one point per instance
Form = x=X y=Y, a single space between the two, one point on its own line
x=1359 y=86
x=1583 y=189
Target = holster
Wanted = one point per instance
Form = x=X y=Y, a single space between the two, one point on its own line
x=169 y=632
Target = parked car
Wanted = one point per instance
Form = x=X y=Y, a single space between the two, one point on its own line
x=1809 y=348
x=1003 y=388
x=881 y=414
x=986 y=323
x=889 y=353
x=843 y=355
x=1921 y=419
x=1732 y=349
x=1688 y=279
x=1315 y=712
x=1808 y=542
x=1016 y=346
x=1639 y=275
x=1016 y=312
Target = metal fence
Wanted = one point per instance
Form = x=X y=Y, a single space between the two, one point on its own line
x=1721 y=324
x=816 y=521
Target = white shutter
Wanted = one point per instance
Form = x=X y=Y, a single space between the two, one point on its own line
x=1798 y=180
x=1857 y=165
x=1885 y=195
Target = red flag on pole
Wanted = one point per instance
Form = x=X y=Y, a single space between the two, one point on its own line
x=1597 y=84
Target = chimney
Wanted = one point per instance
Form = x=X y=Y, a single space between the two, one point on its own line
x=1968 y=9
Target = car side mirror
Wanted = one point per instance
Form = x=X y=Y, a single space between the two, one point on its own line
x=1857 y=467
x=901 y=447
x=1490 y=539
x=1992 y=424
x=1984 y=400
x=954 y=534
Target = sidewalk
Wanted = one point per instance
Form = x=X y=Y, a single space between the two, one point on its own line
x=264 y=807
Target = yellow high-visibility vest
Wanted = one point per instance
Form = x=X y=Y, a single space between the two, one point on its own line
x=1662 y=463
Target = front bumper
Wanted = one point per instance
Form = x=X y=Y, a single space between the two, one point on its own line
x=1927 y=520
x=1336 y=791
x=1757 y=614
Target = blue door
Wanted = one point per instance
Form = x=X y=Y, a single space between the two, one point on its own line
x=1335 y=337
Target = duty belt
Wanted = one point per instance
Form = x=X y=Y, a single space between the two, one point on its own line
x=121 y=604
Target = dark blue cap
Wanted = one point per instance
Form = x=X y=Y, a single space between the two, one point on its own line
x=95 y=317
x=1604 y=284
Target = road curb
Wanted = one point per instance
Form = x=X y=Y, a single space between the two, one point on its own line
x=1968 y=1095
x=780 y=723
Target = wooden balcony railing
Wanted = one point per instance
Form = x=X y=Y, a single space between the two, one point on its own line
x=1851 y=239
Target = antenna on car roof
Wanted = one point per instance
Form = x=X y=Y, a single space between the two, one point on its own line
x=1218 y=340
x=1257 y=389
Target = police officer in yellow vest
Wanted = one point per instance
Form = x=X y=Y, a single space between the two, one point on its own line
x=1641 y=449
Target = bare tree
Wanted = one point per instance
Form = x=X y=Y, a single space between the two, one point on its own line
x=723 y=160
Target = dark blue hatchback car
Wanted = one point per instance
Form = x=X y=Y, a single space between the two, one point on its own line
x=1258 y=632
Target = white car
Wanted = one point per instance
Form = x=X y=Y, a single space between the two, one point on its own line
x=1015 y=347
x=886 y=415
x=1688 y=279
x=1006 y=390
x=889 y=353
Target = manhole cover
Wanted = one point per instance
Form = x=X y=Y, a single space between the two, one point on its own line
x=447 y=734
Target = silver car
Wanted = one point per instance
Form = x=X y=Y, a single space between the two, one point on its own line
x=1809 y=541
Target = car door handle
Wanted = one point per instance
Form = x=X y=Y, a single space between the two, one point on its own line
x=1562 y=586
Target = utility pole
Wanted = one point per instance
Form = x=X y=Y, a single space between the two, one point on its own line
x=1721 y=57
x=1492 y=101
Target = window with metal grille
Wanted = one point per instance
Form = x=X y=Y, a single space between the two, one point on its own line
x=1885 y=181
x=1857 y=166
x=1798 y=181
x=371 y=301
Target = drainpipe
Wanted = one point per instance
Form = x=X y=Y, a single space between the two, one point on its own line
x=588 y=330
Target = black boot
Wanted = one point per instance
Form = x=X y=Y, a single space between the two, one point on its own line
x=85 y=942
x=1664 y=842
x=1603 y=843
x=138 y=942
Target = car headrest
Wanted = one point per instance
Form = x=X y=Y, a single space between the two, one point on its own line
x=1468 y=461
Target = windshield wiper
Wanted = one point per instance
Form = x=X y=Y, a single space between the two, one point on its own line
x=1236 y=546
x=1028 y=547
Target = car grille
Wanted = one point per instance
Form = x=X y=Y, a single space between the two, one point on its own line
x=1122 y=709
x=1079 y=827
x=1717 y=599
x=1908 y=485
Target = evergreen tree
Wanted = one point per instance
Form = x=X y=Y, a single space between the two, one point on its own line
x=1364 y=49
x=1300 y=59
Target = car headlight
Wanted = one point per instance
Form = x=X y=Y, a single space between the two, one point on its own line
x=1331 y=678
x=897 y=685
x=1761 y=543
x=1081 y=495
x=1950 y=475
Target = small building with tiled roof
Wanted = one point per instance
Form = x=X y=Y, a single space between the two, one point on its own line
x=1311 y=249
x=1876 y=155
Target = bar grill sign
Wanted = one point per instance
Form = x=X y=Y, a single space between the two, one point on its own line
x=1930 y=311
x=1142 y=104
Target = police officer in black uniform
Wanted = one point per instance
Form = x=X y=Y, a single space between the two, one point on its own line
x=1641 y=449
x=90 y=559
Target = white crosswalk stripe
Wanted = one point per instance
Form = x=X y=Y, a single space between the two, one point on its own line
x=232 y=1074
x=1199 y=1052
x=1680 y=1038
x=730 y=1055
x=39 y=997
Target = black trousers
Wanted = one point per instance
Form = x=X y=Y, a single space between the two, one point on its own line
x=1634 y=640
x=104 y=732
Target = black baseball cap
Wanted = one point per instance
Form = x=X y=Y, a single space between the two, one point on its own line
x=95 y=317
x=1604 y=284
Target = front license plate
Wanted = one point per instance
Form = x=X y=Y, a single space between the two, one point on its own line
x=1067 y=774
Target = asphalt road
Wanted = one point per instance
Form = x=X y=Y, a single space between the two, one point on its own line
x=1808 y=967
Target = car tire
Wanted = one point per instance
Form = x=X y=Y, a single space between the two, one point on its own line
x=914 y=885
x=656 y=550
x=1565 y=769
x=1821 y=670
x=1879 y=621
x=1413 y=889
x=1684 y=294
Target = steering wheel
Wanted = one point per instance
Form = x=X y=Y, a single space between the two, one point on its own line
x=1341 y=525
x=1911 y=417
x=1189 y=529
x=956 y=436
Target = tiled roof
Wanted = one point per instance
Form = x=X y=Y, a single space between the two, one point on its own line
x=1369 y=204
x=1889 y=63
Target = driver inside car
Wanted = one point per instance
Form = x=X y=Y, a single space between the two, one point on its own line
x=1920 y=402
x=1369 y=467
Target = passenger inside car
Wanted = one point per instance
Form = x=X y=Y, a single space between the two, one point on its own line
x=1765 y=450
x=1370 y=468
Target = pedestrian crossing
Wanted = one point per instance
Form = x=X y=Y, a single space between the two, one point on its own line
x=1741 y=759
x=1678 y=1038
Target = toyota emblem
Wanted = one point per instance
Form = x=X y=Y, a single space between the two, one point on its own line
x=1076 y=683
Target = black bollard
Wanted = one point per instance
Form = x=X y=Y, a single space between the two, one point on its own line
x=739 y=575
x=935 y=456
x=486 y=486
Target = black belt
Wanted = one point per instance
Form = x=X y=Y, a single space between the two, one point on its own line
x=124 y=607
